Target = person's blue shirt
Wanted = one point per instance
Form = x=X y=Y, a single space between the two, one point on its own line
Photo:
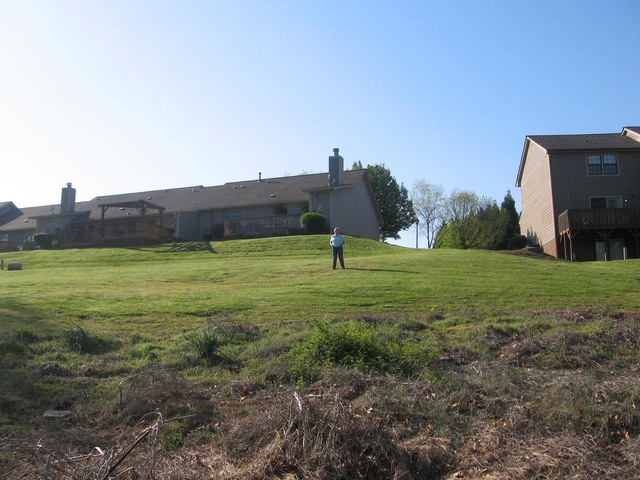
x=337 y=240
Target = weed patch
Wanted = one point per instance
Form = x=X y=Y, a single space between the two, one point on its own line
x=353 y=344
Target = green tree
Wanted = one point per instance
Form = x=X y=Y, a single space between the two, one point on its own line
x=471 y=221
x=393 y=201
x=510 y=217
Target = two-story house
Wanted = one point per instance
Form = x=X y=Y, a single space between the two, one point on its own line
x=580 y=194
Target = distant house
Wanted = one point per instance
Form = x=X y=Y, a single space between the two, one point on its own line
x=250 y=208
x=581 y=194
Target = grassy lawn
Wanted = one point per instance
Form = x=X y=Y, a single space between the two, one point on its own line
x=290 y=279
x=442 y=345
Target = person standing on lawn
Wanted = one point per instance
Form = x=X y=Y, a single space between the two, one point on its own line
x=337 y=244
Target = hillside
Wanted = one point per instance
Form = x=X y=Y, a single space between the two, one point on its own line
x=253 y=359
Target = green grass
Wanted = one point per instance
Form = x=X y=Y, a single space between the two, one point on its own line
x=169 y=288
x=430 y=338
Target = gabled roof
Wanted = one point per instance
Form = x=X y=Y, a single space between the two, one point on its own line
x=599 y=141
x=590 y=142
x=632 y=132
x=232 y=195
x=23 y=219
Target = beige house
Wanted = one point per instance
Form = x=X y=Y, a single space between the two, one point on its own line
x=580 y=194
x=250 y=208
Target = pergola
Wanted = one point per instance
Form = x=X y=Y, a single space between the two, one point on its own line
x=142 y=206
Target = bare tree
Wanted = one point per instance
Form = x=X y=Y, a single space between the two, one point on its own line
x=429 y=204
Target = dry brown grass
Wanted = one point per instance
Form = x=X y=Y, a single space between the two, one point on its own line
x=537 y=408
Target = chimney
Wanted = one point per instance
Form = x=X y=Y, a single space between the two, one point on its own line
x=68 y=200
x=336 y=168
x=259 y=176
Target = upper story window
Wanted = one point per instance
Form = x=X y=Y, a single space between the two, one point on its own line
x=602 y=163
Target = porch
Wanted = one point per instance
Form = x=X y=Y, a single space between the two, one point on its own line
x=119 y=231
x=262 y=226
x=605 y=227
x=128 y=233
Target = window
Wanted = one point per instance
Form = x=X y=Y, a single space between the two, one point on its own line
x=234 y=215
x=606 y=202
x=602 y=164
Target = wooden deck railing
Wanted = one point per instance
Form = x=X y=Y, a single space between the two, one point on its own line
x=114 y=232
x=276 y=225
x=597 y=219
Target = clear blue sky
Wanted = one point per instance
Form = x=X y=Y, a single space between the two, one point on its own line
x=128 y=95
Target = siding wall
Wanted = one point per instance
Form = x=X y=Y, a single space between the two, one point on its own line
x=354 y=213
x=559 y=181
x=573 y=187
x=320 y=203
x=537 y=220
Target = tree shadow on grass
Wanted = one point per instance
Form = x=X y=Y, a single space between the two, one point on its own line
x=382 y=270
x=189 y=247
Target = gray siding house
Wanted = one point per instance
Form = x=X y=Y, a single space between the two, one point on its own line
x=580 y=194
x=250 y=208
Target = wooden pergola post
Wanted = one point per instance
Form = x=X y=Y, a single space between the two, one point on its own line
x=141 y=206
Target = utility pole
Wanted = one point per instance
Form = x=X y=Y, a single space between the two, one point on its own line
x=417 y=231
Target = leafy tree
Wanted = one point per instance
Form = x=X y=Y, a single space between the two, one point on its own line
x=428 y=203
x=471 y=221
x=393 y=201
x=510 y=217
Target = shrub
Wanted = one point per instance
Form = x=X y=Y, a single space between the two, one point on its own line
x=77 y=339
x=43 y=240
x=516 y=243
x=500 y=245
x=217 y=231
x=205 y=342
x=313 y=222
x=355 y=345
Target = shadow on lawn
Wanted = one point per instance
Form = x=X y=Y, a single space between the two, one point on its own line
x=189 y=247
x=382 y=270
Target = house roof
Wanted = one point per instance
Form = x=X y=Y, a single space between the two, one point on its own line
x=598 y=141
x=21 y=221
x=589 y=142
x=241 y=194
x=231 y=195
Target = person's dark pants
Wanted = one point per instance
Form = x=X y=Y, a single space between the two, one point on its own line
x=338 y=254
